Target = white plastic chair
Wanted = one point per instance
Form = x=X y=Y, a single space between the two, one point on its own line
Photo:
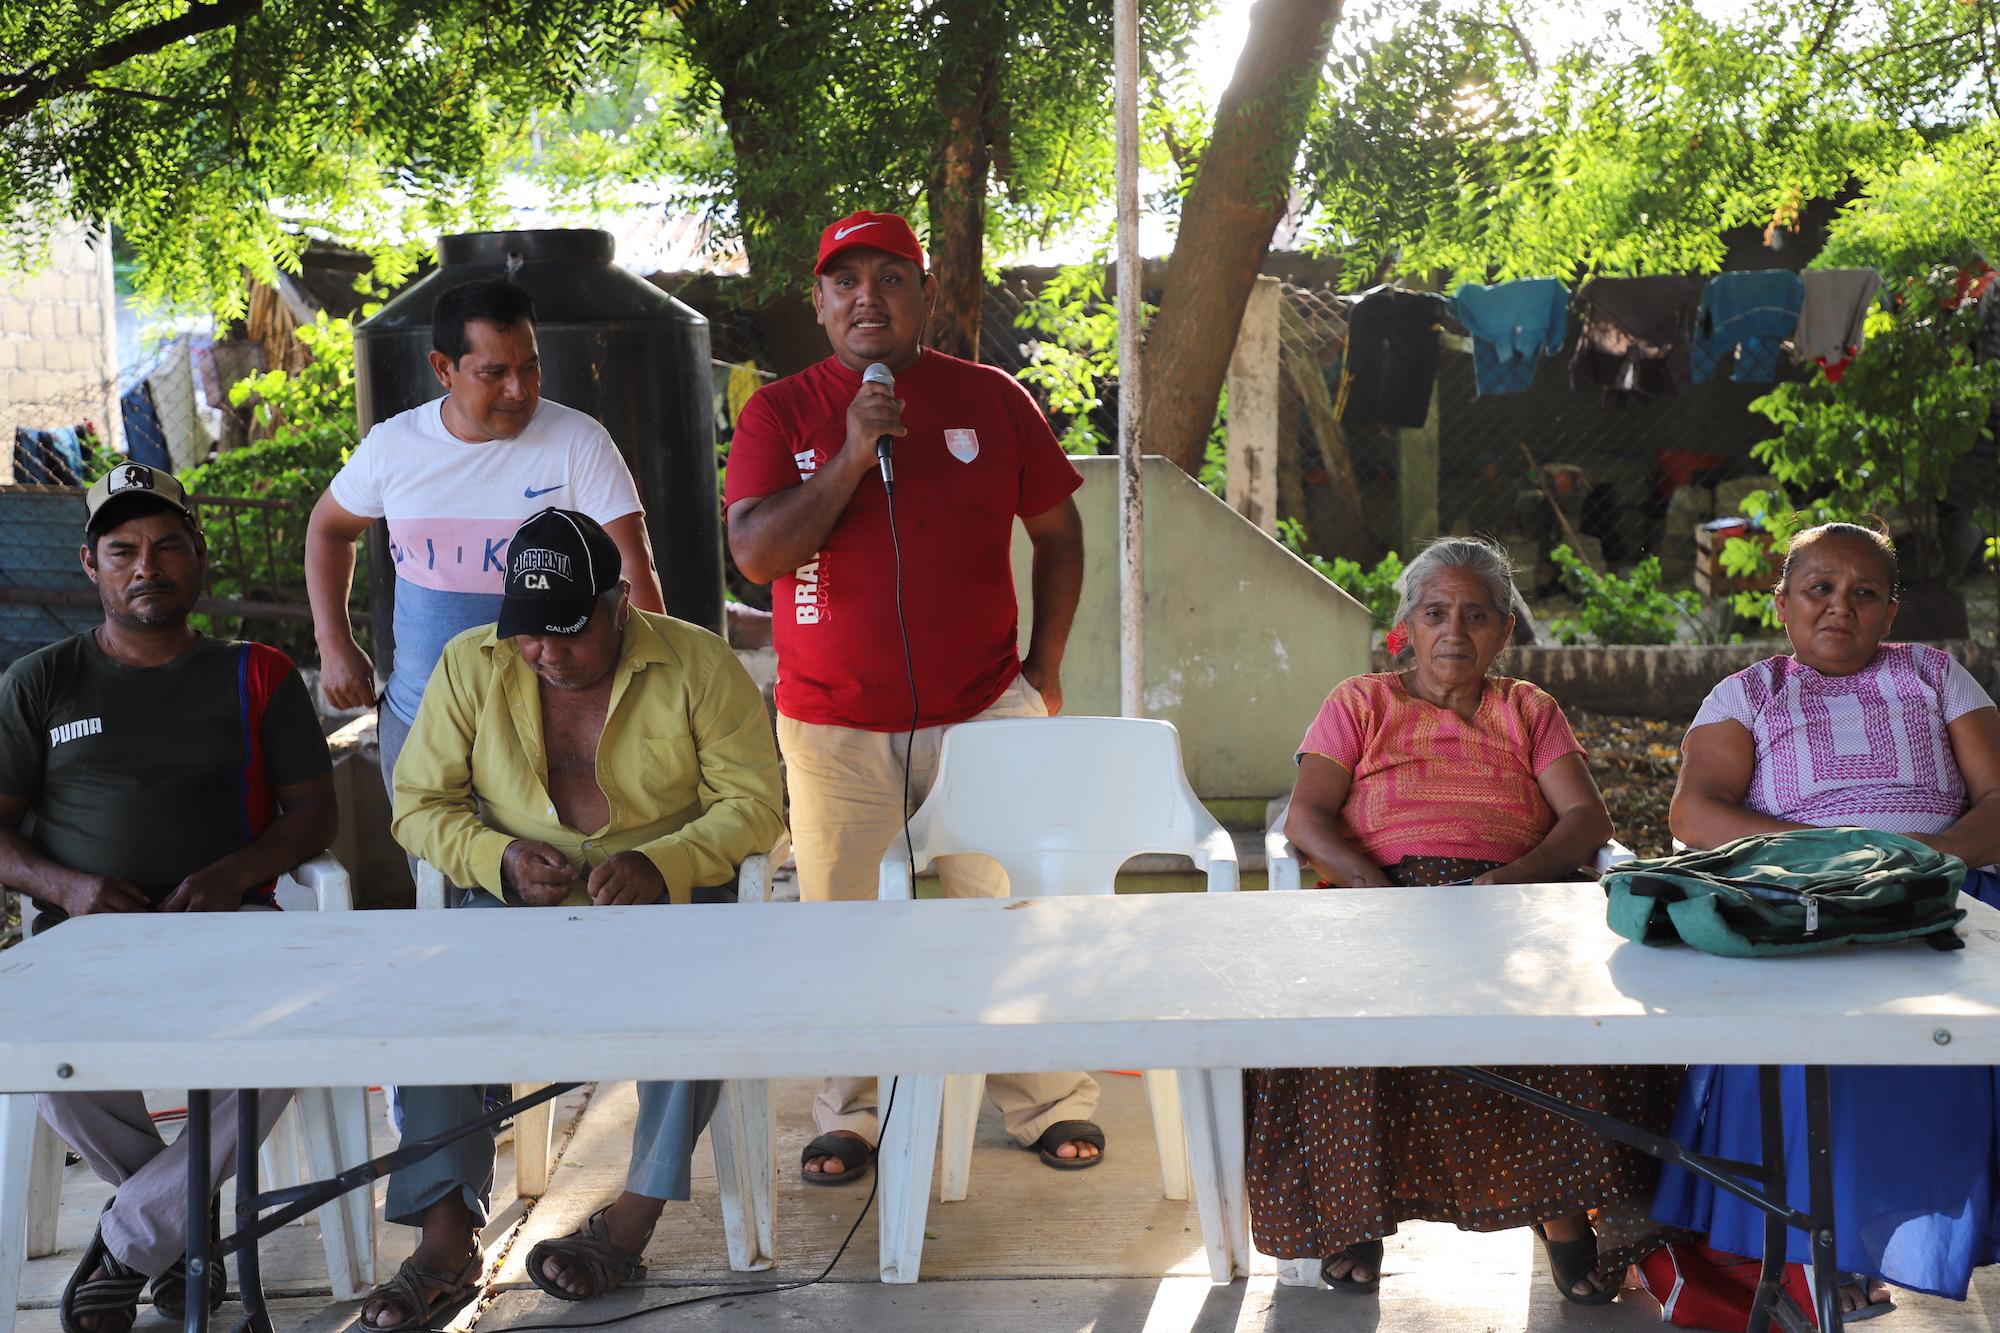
x=741 y=1130
x=1282 y=862
x=1061 y=803
x=333 y=1123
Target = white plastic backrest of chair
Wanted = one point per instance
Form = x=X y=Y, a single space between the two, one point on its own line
x=1612 y=855
x=1281 y=859
x=1062 y=803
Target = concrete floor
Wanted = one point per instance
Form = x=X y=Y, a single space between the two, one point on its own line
x=1031 y=1250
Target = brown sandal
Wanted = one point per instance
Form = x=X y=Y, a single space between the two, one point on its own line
x=452 y=1292
x=604 y=1266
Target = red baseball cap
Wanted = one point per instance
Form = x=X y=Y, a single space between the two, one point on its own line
x=877 y=231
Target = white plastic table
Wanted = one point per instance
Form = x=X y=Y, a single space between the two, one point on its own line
x=1500 y=975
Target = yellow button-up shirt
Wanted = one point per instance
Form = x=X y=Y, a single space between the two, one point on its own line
x=686 y=762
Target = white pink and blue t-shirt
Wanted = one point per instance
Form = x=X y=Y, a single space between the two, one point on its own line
x=1870 y=750
x=452 y=507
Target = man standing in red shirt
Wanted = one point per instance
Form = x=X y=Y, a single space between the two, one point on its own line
x=972 y=453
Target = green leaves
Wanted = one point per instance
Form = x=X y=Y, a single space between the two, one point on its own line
x=1631 y=609
x=1448 y=144
x=373 y=120
x=1885 y=439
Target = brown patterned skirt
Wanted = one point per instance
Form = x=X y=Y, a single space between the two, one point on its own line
x=1338 y=1156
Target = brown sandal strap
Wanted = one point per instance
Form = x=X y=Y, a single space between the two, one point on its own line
x=405 y=1292
x=606 y=1267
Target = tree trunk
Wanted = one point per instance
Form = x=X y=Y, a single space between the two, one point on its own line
x=1239 y=194
x=957 y=188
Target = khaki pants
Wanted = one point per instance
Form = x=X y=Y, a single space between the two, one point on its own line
x=846 y=788
x=145 y=1228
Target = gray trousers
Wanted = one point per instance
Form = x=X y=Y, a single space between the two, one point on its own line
x=145 y=1228
x=671 y=1117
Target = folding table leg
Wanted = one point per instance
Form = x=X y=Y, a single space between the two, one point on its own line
x=249 y=1275
x=199 y=1204
x=1770 y=1283
x=1819 y=1165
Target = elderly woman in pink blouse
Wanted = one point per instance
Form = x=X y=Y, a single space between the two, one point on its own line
x=1849 y=730
x=1445 y=775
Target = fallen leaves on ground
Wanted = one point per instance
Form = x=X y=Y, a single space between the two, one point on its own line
x=1636 y=761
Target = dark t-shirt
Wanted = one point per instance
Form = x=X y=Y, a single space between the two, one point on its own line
x=151 y=773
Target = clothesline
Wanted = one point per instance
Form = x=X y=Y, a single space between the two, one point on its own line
x=1637 y=338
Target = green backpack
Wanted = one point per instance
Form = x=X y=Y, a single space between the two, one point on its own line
x=1791 y=892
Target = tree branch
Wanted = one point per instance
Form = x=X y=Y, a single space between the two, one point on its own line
x=199 y=19
x=1826 y=31
x=139 y=94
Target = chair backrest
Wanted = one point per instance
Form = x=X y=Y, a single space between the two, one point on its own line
x=1061 y=802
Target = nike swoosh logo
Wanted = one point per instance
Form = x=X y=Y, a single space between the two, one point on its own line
x=531 y=493
x=844 y=232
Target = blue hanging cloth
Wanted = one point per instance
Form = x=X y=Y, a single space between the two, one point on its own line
x=145 y=441
x=1749 y=314
x=1513 y=326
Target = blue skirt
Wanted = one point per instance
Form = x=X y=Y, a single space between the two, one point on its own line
x=1916 y=1164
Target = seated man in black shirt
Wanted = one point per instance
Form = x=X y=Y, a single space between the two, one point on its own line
x=147 y=768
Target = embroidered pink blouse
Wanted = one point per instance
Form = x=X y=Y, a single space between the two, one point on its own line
x=1429 y=783
x=1868 y=750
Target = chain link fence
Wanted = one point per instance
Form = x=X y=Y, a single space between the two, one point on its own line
x=1548 y=466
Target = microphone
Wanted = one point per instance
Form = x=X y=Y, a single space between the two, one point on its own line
x=877 y=373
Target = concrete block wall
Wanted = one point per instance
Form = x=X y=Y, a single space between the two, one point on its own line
x=57 y=343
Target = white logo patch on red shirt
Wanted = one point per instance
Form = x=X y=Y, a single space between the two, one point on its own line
x=964 y=444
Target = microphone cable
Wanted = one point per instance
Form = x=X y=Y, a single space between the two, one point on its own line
x=889 y=1102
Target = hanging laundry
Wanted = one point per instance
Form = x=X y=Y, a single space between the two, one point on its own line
x=1832 y=316
x=1393 y=341
x=144 y=441
x=1513 y=326
x=173 y=388
x=46 y=457
x=1750 y=315
x=1633 y=338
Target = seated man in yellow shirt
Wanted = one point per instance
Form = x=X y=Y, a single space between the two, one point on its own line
x=579 y=752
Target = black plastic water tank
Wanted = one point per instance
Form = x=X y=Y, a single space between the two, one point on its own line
x=612 y=345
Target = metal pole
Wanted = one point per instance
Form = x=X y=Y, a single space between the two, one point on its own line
x=199 y=1202
x=1131 y=314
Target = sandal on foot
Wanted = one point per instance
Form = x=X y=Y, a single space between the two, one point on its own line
x=450 y=1293
x=169 y=1290
x=1868 y=1309
x=1069 y=1131
x=1362 y=1254
x=605 y=1267
x=100 y=1286
x=853 y=1155
x=1570 y=1262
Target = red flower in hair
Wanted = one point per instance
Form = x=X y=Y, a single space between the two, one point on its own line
x=1398 y=637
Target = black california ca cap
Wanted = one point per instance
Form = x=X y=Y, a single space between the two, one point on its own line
x=558 y=564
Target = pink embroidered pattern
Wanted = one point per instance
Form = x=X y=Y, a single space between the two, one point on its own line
x=1867 y=749
x=1429 y=783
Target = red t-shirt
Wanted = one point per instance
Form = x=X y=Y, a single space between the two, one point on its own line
x=978 y=453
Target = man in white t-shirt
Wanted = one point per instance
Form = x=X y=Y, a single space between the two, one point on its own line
x=454 y=478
